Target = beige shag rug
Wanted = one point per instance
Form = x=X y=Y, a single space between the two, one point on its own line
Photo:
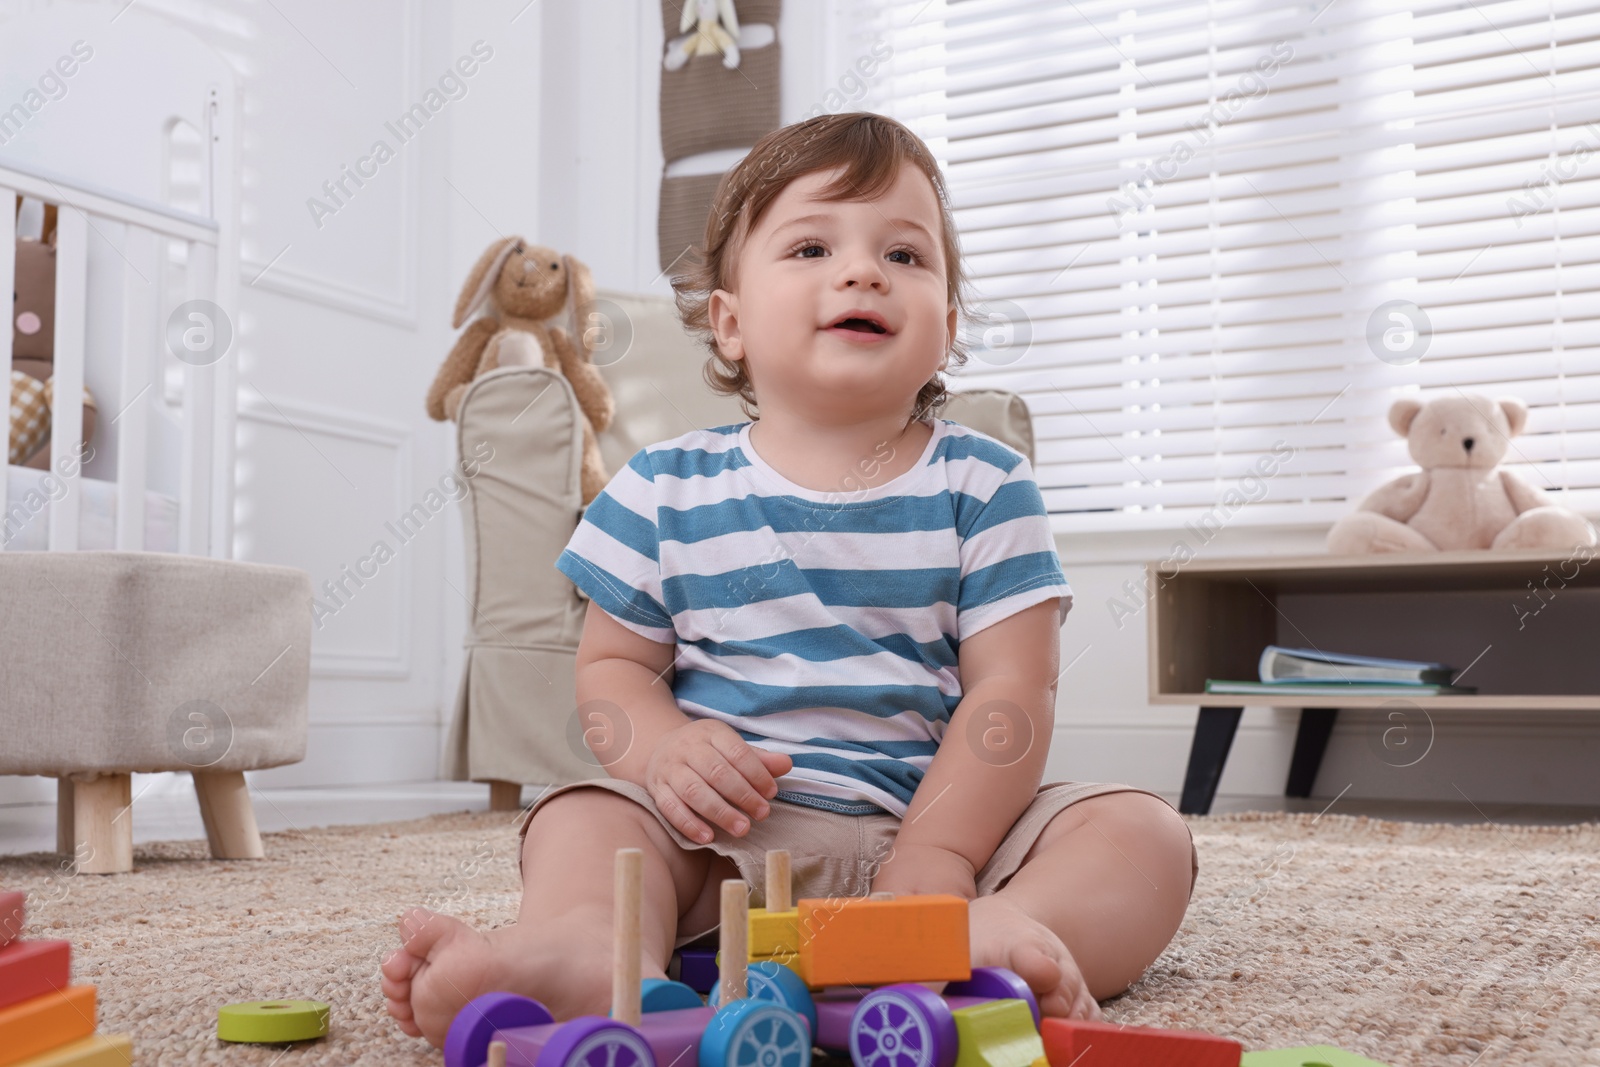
x=1413 y=944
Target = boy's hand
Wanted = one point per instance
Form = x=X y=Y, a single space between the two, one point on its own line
x=704 y=769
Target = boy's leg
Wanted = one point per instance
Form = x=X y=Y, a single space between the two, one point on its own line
x=559 y=950
x=1111 y=876
x=568 y=860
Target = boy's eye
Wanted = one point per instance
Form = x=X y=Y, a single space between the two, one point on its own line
x=806 y=250
x=911 y=256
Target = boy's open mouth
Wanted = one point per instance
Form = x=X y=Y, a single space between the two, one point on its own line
x=859 y=323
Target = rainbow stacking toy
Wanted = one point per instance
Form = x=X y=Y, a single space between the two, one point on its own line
x=45 y=1021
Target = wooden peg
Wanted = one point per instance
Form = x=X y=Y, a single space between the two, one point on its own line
x=882 y=894
x=778 y=880
x=497 y=1054
x=735 y=938
x=626 y=936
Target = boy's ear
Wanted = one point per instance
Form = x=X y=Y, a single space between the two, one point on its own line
x=952 y=323
x=723 y=310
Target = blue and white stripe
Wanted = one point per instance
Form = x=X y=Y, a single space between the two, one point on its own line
x=821 y=625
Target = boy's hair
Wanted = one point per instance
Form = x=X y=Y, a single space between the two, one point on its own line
x=871 y=149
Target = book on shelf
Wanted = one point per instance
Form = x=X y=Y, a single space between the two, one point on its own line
x=1349 y=689
x=1279 y=664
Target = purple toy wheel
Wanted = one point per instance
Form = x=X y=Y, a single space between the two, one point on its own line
x=906 y=1025
x=592 y=1041
x=996 y=983
x=467 y=1042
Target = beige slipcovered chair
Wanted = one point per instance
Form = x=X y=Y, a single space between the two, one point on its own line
x=117 y=662
x=516 y=716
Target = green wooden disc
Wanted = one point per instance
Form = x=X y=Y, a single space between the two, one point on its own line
x=273 y=1021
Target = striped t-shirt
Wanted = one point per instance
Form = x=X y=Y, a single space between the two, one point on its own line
x=822 y=625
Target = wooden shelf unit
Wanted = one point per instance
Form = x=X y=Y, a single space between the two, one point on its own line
x=1520 y=626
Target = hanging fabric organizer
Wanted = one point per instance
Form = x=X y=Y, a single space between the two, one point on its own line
x=708 y=105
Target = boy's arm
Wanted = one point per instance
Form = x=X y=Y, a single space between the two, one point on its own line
x=989 y=763
x=625 y=701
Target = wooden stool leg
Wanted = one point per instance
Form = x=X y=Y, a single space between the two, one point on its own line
x=103 y=823
x=230 y=820
x=66 y=829
x=504 y=796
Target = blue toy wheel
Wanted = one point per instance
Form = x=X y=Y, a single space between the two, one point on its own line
x=660 y=994
x=769 y=980
x=755 y=1033
x=904 y=1025
x=466 y=1043
x=593 y=1041
x=996 y=983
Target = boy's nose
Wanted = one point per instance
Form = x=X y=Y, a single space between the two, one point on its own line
x=861 y=270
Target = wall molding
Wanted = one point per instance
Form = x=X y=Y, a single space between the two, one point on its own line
x=302 y=417
x=400 y=309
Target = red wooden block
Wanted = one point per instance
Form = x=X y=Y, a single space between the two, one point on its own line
x=1084 y=1044
x=10 y=917
x=33 y=968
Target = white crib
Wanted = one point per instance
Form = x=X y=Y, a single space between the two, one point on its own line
x=148 y=121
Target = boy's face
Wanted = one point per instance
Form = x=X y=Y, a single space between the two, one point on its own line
x=840 y=306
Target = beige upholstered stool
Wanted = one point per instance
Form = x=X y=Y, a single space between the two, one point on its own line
x=116 y=662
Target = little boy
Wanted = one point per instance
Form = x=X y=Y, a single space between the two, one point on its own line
x=833 y=629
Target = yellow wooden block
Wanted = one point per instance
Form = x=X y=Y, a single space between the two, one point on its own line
x=96 y=1050
x=774 y=933
x=998 y=1033
x=860 y=941
x=790 y=960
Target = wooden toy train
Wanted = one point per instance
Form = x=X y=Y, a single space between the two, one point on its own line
x=842 y=974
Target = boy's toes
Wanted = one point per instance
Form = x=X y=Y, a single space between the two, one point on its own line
x=398 y=966
x=400 y=1012
x=1005 y=936
x=420 y=930
x=394 y=990
x=1035 y=966
x=1066 y=1003
x=441 y=965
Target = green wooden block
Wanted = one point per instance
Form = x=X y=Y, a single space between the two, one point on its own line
x=273 y=1021
x=1309 y=1056
x=998 y=1033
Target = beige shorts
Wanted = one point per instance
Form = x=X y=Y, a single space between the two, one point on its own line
x=837 y=855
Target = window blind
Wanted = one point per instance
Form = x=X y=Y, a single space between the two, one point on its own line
x=1213 y=241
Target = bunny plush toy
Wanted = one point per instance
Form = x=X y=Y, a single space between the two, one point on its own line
x=523 y=289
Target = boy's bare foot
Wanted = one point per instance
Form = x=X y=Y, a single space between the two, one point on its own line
x=442 y=963
x=1003 y=935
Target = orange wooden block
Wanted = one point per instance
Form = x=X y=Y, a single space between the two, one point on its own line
x=860 y=941
x=1085 y=1044
x=31 y=969
x=42 y=1023
x=10 y=917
